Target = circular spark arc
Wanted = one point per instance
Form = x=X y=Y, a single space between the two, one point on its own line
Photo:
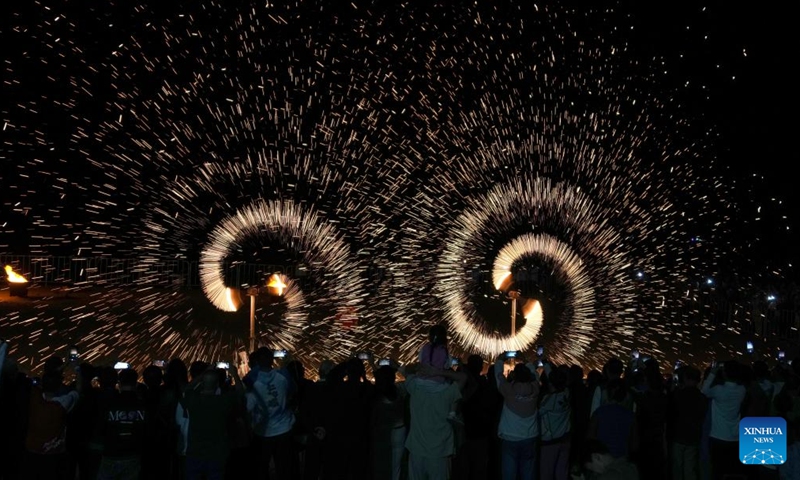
x=291 y=225
x=530 y=201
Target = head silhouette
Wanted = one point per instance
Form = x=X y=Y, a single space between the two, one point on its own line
x=438 y=335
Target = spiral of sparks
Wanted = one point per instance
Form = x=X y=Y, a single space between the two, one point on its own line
x=393 y=149
x=288 y=224
x=534 y=202
x=580 y=309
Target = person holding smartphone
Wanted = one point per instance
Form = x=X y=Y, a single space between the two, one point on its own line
x=210 y=411
x=272 y=420
x=123 y=428
x=724 y=388
x=519 y=426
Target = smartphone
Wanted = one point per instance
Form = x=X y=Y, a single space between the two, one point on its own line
x=540 y=364
x=73 y=354
x=160 y=363
x=280 y=353
x=122 y=366
x=714 y=363
x=454 y=362
x=750 y=347
x=635 y=354
x=512 y=354
x=223 y=365
x=781 y=355
x=678 y=365
x=363 y=356
x=540 y=350
x=385 y=362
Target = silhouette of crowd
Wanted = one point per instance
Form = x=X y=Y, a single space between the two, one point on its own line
x=517 y=417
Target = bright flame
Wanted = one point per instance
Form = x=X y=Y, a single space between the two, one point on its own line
x=503 y=281
x=14 y=277
x=276 y=283
x=529 y=310
x=233 y=299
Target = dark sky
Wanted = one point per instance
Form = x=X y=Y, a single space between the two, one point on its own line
x=740 y=57
x=753 y=112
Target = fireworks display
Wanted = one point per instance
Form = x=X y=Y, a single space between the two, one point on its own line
x=394 y=164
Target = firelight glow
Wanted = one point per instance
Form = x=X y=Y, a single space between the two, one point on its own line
x=276 y=283
x=14 y=277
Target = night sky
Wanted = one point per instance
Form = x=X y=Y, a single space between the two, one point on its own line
x=135 y=130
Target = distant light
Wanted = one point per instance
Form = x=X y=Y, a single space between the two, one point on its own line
x=640 y=274
x=710 y=281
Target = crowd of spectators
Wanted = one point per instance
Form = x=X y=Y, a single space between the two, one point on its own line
x=518 y=417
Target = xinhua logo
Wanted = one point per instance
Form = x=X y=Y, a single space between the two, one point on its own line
x=762 y=441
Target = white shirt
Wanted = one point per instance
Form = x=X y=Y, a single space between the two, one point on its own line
x=725 y=408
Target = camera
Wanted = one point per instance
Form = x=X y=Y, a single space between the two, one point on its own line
x=122 y=366
x=223 y=365
x=280 y=353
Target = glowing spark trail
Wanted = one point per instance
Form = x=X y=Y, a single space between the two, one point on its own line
x=289 y=224
x=393 y=162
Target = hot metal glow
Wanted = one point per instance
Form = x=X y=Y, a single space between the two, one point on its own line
x=288 y=224
x=397 y=157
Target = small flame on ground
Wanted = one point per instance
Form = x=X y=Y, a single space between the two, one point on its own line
x=14 y=277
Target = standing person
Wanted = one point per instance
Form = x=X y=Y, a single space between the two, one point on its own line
x=687 y=412
x=612 y=371
x=156 y=456
x=210 y=410
x=14 y=398
x=578 y=392
x=472 y=458
x=726 y=394
x=651 y=404
x=271 y=416
x=301 y=433
x=175 y=380
x=347 y=428
x=431 y=439
x=614 y=423
x=555 y=412
x=388 y=426
x=45 y=441
x=519 y=425
x=315 y=408
x=122 y=423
